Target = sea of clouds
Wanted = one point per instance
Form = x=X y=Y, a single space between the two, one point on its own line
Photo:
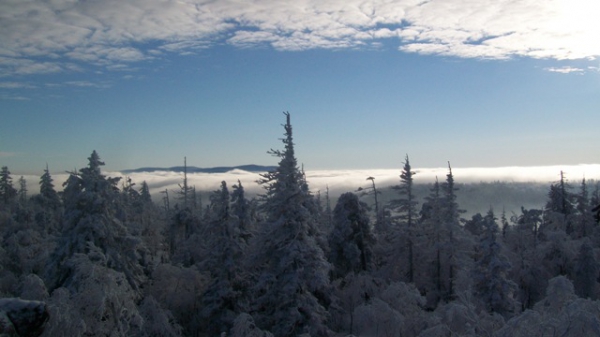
x=339 y=181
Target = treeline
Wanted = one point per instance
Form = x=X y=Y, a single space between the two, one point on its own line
x=110 y=262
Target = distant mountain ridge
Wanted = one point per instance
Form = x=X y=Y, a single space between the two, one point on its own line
x=193 y=169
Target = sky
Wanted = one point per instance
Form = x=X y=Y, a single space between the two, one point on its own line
x=485 y=83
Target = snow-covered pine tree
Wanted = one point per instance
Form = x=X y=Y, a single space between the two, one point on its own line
x=184 y=222
x=406 y=208
x=223 y=300
x=145 y=193
x=451 y=221
x=522 y=248
x=431 y=220
x=351 y=241
x=292 y=292
x=91 y=201
x=48 y=195
x=584 y=218
x=7 y=191
x=22 y=192
x=490 y=275
x=240 y=210
x=47 y=205
x=97 y=260
x=559 y=209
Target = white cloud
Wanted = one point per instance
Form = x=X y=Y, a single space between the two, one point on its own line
x=565 y=70
x=16 y=85
x=112 y=32
x=87 y=84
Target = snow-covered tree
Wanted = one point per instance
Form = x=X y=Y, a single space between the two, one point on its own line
x=406 y=208
x=584 y=222
x=431 y=220
x=451 y=220
x=292 y=290
x=97 y=261
x=558 y=213
x=91 y=202
x=7 y=191
x=224 y=298
x=145 y=192
x=529 y=223
x=22 y=192
x=351 y=241
x=560 y=313
x=586 y=272
x=380 y=225
x=490 y=276
x=241 y=211
x=48 y=196
x=527 y=271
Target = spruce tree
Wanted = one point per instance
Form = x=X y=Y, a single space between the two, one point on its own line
x=97 y=265
x=450 y=218
x=584 y=218
x=47 y=191
x=240 y=209
x=351 y=241
x=223 y=300
x=292 y=290
x=490 y=276
x=406 y=207
x=91 y=228
x=7 y=191
x=22 y=192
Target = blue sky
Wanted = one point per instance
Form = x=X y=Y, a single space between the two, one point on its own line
x=145 y=83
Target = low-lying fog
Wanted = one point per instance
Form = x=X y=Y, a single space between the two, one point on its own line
x=506 y=188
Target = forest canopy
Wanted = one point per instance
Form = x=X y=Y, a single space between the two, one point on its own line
x=109 y=258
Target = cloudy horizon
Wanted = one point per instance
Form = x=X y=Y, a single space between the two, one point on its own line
x=339 y=181
x=484 y=84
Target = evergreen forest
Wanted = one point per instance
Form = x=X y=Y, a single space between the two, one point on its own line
x=103 y=259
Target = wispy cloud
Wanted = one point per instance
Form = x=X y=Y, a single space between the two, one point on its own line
x=112 y=32
x=564 y=70
x=88 y=84
x=16 y=85
x=8 y=97
x=4 y=154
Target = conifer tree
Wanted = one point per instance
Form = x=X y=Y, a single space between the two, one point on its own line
x=559 y=208
x=431 y=219
x=7 y=191
x=293 y=285
x=240 y=209
x=223 y=298
x=22 y=190
x=351 y=240
x=451 y=217
x=406 y=206
x=584 y=221
x=587 y=271
x=491 y=283
x=96 y=270
x=47 y=190
x=145 y=193
x=91 y=202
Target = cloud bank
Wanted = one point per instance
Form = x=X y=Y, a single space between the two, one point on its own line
x=38 y=37
x=340 y=181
